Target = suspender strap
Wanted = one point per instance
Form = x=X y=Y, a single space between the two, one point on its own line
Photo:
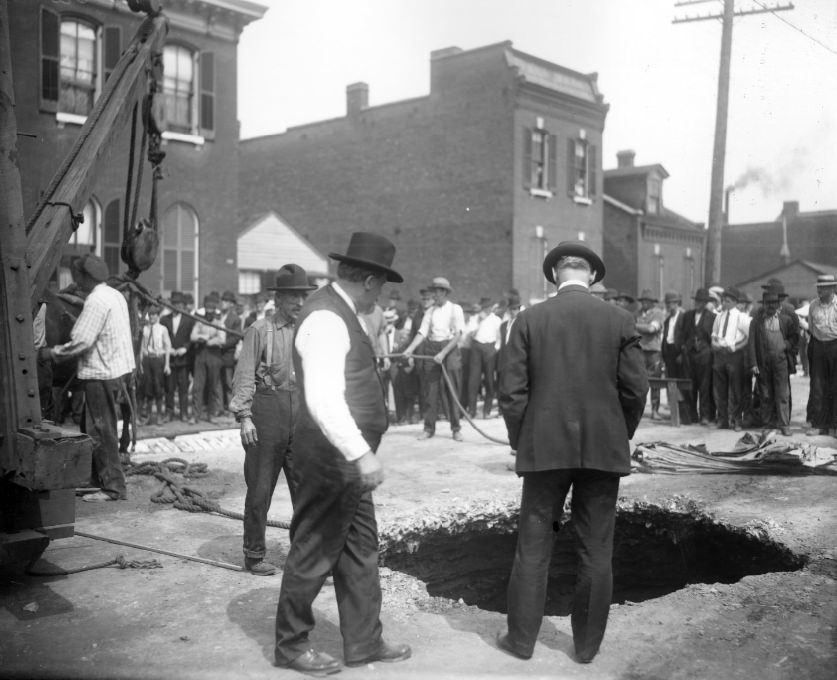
x=268 y=355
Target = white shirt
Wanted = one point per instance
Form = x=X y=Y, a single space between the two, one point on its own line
x=322 y=341
x=737 y=330
x=489 y=329
x=440 y=324
x=672 y=322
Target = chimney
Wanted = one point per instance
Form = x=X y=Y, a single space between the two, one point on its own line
x=790 y=209
x=357 y=98
x=625 y=159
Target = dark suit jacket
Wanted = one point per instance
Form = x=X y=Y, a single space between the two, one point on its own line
x=233 y=321
x=573 y=387
x=697 y=338
x=179 y=339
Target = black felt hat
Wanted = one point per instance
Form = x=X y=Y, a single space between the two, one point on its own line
x=292 y=277
x=572 y=249
x=370 y=250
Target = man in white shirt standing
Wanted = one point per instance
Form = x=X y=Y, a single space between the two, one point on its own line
x=441 y=327
x=341 y=421
x=730 y=333
x=101 y=339
x=484 y=348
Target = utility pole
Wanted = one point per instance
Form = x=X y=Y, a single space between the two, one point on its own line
x=712 y=267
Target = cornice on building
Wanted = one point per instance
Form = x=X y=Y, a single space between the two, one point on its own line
x=222 y=19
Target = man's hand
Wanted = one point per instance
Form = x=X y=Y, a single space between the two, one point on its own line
x=439 y=358
x=754 y=370
x=167 y=370
x=180 y=351
x=248 y=432
x=371 y=471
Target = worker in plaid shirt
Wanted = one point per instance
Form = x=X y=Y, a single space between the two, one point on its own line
x=101 y=340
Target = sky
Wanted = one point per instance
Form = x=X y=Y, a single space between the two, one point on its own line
x=659 y=78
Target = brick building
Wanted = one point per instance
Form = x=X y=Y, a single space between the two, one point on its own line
x=647 y=245
x=473 y=181
x=755 y=251
x=62 y=54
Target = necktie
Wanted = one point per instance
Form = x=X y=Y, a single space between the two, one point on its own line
x=726 y=323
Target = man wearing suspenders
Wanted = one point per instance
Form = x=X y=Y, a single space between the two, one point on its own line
x=265 y=402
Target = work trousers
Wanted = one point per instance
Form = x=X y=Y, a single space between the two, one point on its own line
x=700 y=371
x=674 y=369
x=153 y=378
x=481 y=372
x=274 y=413
x=405 y=388
x=207 y=378
x=729 y=374
x=774 y=390
x=178 y=380
x=98 y=421
x=654 y=368
x=434 y=384
x=593 y=519
x=823 y=389
x=333 y=531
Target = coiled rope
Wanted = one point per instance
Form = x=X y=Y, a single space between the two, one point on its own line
x=182 y=497
x=119 y=561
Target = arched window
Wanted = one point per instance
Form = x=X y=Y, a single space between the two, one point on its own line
x=177 y=254
x=79 y=67
x=88 y=232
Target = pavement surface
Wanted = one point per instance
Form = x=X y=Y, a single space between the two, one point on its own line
x=193 y=620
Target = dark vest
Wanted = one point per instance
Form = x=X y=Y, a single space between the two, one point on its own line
x=364 y=390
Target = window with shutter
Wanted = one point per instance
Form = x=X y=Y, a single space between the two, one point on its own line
x=179 y=88
x=552 y=165
x=527 y=158
x=50 y=55
x=112 y=237
x=592 y=155
x=78 y=72
x=207 y=101
x=112 y=48
x=579 y=170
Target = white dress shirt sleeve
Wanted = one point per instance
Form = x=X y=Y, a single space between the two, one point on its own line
x=322 y=341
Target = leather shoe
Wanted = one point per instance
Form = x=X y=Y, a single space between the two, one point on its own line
x=504 y=644
x=387 y=653
x=259 y=567
x=786 y=431
x=457 y=436
x=585 y=658
x=425 y=435
x=318 y=664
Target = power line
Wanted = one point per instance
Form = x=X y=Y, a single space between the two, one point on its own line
x=796 y=28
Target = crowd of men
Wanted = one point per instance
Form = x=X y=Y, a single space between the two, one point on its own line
x=736 y=355
x=305 y=384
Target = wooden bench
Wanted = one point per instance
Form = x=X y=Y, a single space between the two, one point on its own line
x=674 y=387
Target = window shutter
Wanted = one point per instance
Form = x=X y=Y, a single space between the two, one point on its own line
x=552 y=162
x=50 y=55
x=207 y=94
x=527 y=158
x=591 y=169
x=571 y=167
x=112 y=48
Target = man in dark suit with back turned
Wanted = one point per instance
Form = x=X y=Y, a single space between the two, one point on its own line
x=572 y=394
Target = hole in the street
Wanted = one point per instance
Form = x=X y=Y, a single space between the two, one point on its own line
x=655 y=553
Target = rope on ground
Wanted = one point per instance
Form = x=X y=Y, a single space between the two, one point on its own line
x=452 y=393
x=119 y=561
x=138 y=546
x=186 y=497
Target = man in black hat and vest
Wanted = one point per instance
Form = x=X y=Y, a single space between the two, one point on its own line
x=266 y=403
x=572 y=394
x=341 y=421
x=697 y=356
x=101 y=339
x=180 y=330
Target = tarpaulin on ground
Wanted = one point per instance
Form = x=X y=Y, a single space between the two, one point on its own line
x=752 y=455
